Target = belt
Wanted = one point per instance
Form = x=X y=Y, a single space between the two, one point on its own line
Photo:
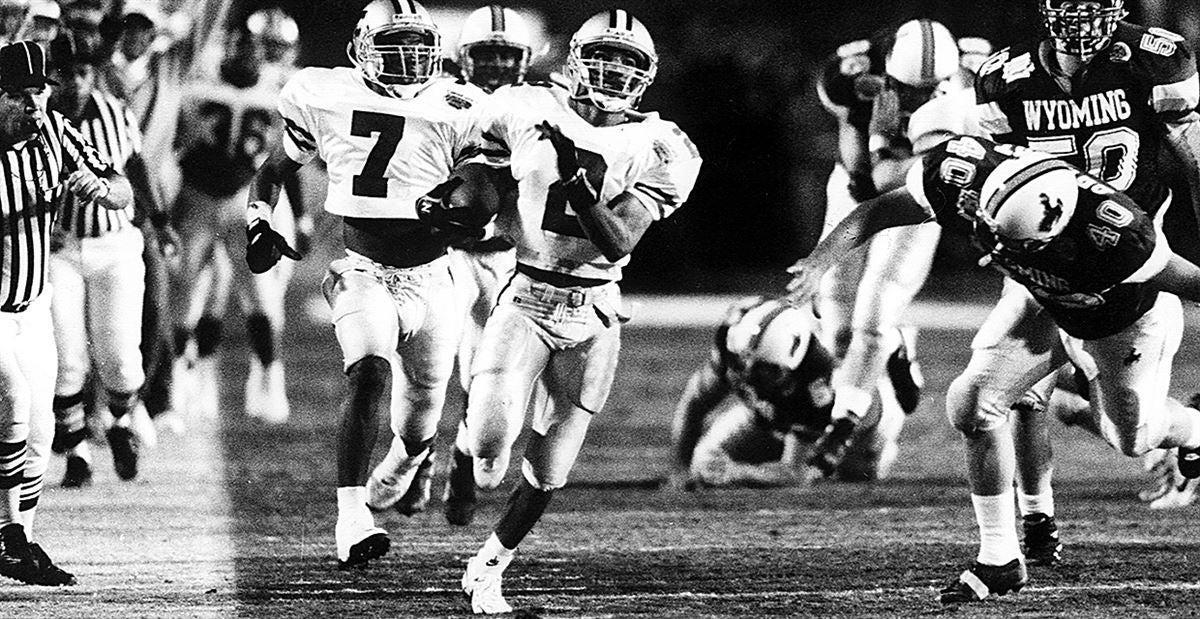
x=571 y=297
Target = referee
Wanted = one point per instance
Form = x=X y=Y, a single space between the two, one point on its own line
x=41 y=156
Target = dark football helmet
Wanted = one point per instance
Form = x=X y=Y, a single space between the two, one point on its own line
x=1082 y=27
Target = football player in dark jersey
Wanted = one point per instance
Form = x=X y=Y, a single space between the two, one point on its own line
x=747 y=415
x=1106 y=96
x=1096 y=262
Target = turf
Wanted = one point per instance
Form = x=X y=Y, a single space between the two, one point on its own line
x=234 y=519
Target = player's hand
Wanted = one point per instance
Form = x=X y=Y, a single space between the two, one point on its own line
x=574 y=178
x=264 y=246
x=452 y=224
x=806 y=280
x=87 y=186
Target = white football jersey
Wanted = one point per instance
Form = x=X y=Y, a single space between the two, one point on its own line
x=649 y=158
x=382 y=152
x=942 y=118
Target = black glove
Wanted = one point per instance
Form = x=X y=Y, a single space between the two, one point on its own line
x=264 y=246
x=452 y=224
x=580 y=192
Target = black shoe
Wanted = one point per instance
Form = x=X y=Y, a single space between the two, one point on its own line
x=124 y=448
x=65 y=439
x=460 y=490
x=830 y=449
x=979 y=581
x=1042 y=546
x=79 y=473
x=1189 y=458
x=416 y=498
x=28 y=563
x=905 y=374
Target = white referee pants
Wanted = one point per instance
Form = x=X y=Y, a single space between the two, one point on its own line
x=27 y=368
x=99 y=284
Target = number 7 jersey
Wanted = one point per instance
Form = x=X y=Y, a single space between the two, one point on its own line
x=649 y=158
x=382 y=152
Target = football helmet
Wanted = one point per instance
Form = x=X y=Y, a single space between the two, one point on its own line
x=611 y=61
x=770 y=340
x=1081 y=27
x=923 y=54
x=396 y=47
x=276 y=32
x=1028 y=201
x=503 y=31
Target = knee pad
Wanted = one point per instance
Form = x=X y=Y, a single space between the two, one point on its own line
x=489 y=472
x=208 y=335
x=262 y=340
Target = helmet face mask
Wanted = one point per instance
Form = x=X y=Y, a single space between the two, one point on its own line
x=611 y=61
x=399 y=52
x=1082 y=28
x=495 y=47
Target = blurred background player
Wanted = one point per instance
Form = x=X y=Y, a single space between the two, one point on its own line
x=389 y=130
x=30 y=20
x=872 y=86
x=226 y=126
x=494 y=49
x=97 y=271
x=593 y=174
x=1088 y=57
x=748 y=416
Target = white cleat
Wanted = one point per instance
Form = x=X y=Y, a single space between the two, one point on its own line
x=256 y=389
x=389 y=482
x=183 y=386
x=266 y=393
x=206 y=400
x=481 y=582
x=359 y=540
x=1170 y=490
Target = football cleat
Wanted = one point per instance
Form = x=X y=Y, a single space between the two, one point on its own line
x=1042 y=544
x=390 y=483
x=266 y=394
x=359 y=541
x=904 y=372
x=416 y=498
x=26 y=562
x=481 y=583
x=1189 y=457
x=78 y=473
x=124 y=447
x=830 y=449
x=1169 y=489
x=206 y=396
x=460 y=496
x=980 y=581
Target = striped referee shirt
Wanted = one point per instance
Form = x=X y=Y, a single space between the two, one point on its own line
x=35 y=172
x=110 y=126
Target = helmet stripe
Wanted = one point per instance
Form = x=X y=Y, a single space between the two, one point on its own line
x=497 y=18
x=765 y=322
x=1019 y=180
x=612 y=18
x=927 y=51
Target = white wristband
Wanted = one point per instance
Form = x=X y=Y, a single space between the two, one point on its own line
x=257 y=210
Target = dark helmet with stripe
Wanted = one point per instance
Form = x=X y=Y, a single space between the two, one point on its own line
x=611 y=85
x=500 y=28
x=397 y=46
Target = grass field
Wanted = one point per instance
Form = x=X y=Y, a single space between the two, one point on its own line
x=233 y=519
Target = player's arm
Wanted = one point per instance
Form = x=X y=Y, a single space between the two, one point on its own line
x=264 y=246
x=146 y=201
x=890 y=210
x=1183 y=139
x=704 y=391
x=1178 y=277
x=616 y=227
x=91 y=176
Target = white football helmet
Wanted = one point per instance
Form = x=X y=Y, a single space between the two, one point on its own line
x=1082 y=27
x=495 y=26
x=400 y=65
x=610 y=85
x=1028 y=201
x=769 y=341
x=924 y=54
x=276 y=32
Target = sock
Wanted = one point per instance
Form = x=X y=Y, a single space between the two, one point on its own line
x=996 y=518
x=351 y=499
x=494 y=548
x=1042 y=503
x=525 y=507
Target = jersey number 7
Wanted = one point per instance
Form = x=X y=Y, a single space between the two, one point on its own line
x=371 y=182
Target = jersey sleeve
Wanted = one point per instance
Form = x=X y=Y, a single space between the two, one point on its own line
x=989 y=86
x=78 y=153
x=1170 y=63
x=942 y=118
x=299 y=122
x=671 y=175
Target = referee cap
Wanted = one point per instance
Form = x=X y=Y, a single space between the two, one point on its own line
x=22 y=65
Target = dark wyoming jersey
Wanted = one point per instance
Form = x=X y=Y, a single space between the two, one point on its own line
x=1088 y=278
x=1110 y=125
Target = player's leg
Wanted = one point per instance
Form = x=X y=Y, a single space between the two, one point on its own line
x=156 y=346
x=1012 y=351
x=736 y=449
x=577 y=381
x=114 y=311
x=478 y=276
x=836 y=297
x=429 y=335
x=73 y=358
x=367 y=329
x=195 y=334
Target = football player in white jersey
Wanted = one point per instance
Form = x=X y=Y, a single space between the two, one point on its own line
x=390 y=130
x=226 y=124
x=494 y=50
x=874 y=87
x=592 y=175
